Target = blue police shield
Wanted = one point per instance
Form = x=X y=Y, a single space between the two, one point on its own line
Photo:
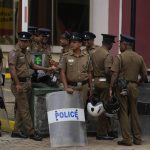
x=66 y=119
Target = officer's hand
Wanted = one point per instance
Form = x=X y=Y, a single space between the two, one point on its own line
x=51 y=68
x=69 y=90
x=19 y=88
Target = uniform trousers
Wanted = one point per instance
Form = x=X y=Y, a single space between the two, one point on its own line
x=128 y=108
x=23 y=116
x=83 y=89
x=101 y=91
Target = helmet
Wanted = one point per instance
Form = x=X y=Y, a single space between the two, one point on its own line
x=95 y=110
x=112 y=106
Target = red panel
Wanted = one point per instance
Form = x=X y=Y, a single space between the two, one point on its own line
x=114 y=22
x=126 y=16
x=143 y=29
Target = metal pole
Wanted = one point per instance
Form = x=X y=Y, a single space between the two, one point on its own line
x=52 y=20
x=24 y=15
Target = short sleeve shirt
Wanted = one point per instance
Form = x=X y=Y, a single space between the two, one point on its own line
x=76 y=68
x=101 y=59
x=129 y=64
x=21 y=61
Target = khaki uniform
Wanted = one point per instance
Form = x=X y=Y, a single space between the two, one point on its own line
x=77 y=70
x=91 y=50
x=47 y=50
x=101 y=59
x=22 y=62
x=130 y=65
x=64 y=51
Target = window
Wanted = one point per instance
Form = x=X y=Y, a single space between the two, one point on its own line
x=60 y=15
x=7 y=21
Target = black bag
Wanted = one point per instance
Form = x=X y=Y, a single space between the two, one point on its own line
x=2 y=105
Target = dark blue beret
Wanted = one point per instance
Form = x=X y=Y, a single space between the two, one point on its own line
x=65 y=35
x=24 y=36
x=127 y=38
x=32 y=29
x=88 y=35
x=44 y=32
x=76 y=36
x=108 y=38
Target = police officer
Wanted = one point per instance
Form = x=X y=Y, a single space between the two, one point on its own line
x=127 y=66
x=1 y=66
x=36 y=45
x=64 y=42
x=76 y=68
x=88 y=40
x=19 y=63
x=102 y=61
x=33 y=31
x=44 y=33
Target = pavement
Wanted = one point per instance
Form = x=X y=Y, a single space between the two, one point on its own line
x=8 y=143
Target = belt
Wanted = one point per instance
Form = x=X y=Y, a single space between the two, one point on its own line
x=25 y=79
x=101 y=79
x=72 y=83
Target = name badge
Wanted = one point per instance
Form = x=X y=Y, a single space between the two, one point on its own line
x=70 y=60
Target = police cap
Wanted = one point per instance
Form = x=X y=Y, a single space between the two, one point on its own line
x=44 y=32
x=108 y=38
x=65 y=35
x=88 y=35
x=76 y=36
x=127 y=38
x=32 y=30
x=24 y=35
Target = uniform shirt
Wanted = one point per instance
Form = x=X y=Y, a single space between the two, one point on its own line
x=21 y=61
x=101 y=59
x=76 y=68
x=91 y=50
x=130 y=65
x=47 y=50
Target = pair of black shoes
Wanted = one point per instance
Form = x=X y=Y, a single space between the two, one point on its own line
x=111 y=135
x=19 y=134
x=35 y=136
x=124 y=143
x=104 y=137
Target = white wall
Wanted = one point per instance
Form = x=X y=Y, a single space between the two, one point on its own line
x=99 y=18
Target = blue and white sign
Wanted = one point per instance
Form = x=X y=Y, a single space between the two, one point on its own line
x=66 y=114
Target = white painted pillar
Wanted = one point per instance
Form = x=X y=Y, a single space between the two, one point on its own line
x=24 y=15
x=99 y=11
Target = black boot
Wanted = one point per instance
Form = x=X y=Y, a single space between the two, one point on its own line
x=36 y=136
x=18 y=134
x=113 y=134
x=104 y=137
